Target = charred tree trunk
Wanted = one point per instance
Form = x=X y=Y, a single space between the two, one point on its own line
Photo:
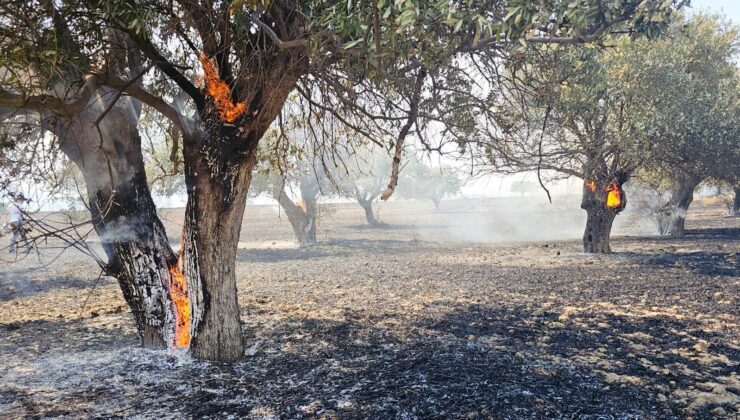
x=736 y=201
x=598 y=230
x=601 y=209
x=681 y=197
x=367 y=205
x=123 y=213
x=218 y=171
x=301 y=217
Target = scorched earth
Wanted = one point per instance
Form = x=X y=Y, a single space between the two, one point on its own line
x=426 y=317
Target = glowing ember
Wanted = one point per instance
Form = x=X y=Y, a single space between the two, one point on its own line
x=181 y=300
x=613 y=196
x=302 y=205
x=220 y=92
x=591 y=185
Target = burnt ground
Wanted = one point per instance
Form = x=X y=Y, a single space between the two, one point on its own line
x=407 y=321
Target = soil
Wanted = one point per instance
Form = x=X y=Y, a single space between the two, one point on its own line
x=433 y=315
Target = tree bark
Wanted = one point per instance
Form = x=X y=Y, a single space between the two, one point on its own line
x=598 y=230
x=600 y=215
x=370 y=218
x=681 y=197
x=219 y=155
x=218 y=171
x=123 y=213
x=736 y=201
x=301 y=217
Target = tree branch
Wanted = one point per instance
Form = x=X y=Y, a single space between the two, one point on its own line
x=49 y=102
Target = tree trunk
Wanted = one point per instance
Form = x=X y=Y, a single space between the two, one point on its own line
x=301 y=217
x=736 y=202
x=218 y=171
x=598 y=230
x=123 y=213
x=367 y=205
x=601 y=211
x=681 y=197
x=220 y=154
x=436 y=203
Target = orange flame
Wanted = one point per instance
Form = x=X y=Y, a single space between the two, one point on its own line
x=614 y=195
x=220 y=92
x=591 y=185
x=181 y=300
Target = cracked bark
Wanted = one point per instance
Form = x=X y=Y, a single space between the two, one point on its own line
x=123 y=212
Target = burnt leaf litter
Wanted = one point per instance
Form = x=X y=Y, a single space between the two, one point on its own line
x=375 y=326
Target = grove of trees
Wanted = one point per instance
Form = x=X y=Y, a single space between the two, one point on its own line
x=76 y=76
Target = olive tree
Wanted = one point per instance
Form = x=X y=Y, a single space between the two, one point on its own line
x=237 y=62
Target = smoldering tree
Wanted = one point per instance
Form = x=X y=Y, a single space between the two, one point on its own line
x=252 y=55
x=572 y=120
x=95 y=127
x=284 y=174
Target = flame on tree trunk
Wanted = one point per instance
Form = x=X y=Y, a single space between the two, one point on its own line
x=219 y=92
x=602 y=202
x=220 y=153
x=181 y=302
x=123 y=212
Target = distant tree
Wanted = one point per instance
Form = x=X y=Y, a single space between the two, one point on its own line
x=695 y=123
x=279 y=172
x=363 y=176
x=600 y=115
x=421 y=182
x=523 y=187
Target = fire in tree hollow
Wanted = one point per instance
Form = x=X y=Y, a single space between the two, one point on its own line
x=220 y=92
x=181 y=301
x=591 y=185
x=613 y=196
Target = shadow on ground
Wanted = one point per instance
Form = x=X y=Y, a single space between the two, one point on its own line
x=454 y=361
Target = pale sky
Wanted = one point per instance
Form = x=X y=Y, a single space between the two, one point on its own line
x=731 y=8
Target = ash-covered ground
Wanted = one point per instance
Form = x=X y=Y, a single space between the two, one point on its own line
x=436 y=315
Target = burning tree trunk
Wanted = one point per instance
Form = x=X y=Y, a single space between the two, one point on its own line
x=681 y=197
x=219 y=156
x=123 y=213
x=302 y=216
x=218 y=170
x=602 y=202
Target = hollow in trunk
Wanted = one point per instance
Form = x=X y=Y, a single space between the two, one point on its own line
x=602 y=200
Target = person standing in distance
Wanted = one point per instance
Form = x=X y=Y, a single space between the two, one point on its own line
x=15 y=217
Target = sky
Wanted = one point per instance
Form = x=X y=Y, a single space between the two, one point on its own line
x=731 y=8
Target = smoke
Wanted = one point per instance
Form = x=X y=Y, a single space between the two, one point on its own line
x=526 y=217
x=123 y=229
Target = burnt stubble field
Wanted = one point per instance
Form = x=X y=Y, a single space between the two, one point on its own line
x=450 y=314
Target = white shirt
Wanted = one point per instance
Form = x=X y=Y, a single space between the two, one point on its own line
x=16 y=215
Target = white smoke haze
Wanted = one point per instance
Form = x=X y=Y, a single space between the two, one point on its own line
x=122 y=229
